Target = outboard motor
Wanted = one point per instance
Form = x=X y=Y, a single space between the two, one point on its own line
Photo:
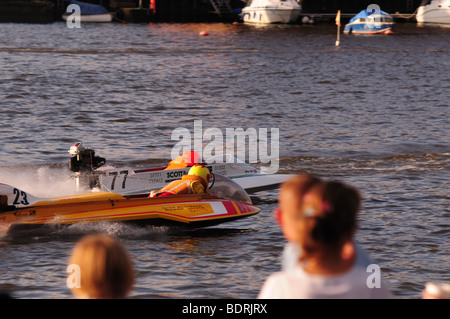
x=84 y=159
x=83 y=163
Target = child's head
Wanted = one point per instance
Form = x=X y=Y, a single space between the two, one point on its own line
x=105 y=266
x=320 y=216
x=328 y=218
x=290 y=202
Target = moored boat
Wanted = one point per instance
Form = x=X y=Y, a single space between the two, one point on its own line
x=434 y=11
x=370 y=22
x=89 y=12
x=226 y=201
x=271 y=11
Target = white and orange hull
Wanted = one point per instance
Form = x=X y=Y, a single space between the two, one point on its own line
x=386 y=30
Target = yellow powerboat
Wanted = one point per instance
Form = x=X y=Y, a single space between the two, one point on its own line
x=225 y=202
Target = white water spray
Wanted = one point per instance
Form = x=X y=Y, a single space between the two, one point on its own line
x=41 y=181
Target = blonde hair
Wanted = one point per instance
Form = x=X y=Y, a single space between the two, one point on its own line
x=106 y=270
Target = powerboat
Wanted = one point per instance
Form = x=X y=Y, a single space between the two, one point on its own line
x=434 y=11
x=90 y=173
x=88 y=12
x=370 y=22
x=226 y=201
x=271 y=11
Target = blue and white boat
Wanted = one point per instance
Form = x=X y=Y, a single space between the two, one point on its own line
x=370 y=22
x=88 y=12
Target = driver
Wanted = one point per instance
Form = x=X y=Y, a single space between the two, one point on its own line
x=195 y=182
x=189 y=158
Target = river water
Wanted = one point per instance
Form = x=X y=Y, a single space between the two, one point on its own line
x=373 y=112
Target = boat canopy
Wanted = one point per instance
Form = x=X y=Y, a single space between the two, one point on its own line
x=364 y=14
x=224 y=187
x=89 y=8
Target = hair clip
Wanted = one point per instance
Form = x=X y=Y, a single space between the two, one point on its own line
x=309 y=211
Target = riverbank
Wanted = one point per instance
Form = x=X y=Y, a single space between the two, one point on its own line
x=48 y=11
x=27 y=12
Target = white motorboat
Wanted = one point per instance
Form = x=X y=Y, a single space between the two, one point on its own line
x=90 y=173
x=129 y=181
x=271 y=11
x=434 y=11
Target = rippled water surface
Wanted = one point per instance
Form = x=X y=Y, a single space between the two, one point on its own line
x=373 y=112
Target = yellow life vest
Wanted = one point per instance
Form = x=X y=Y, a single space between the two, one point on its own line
x=188 y=184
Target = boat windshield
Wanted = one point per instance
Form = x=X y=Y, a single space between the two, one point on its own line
x=378 y=18
x=222 y=186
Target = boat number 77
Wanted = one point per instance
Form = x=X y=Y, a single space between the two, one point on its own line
x=115 y=174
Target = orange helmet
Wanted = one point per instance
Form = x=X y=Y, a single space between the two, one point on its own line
x=200 y=171
x=191 y=157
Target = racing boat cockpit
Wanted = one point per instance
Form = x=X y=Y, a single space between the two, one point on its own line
x=223 y=187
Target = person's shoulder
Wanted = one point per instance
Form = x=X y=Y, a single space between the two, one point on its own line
x=282 y=278
x=272 y=287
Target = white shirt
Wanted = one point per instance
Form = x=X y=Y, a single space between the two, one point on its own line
x=298 y=284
